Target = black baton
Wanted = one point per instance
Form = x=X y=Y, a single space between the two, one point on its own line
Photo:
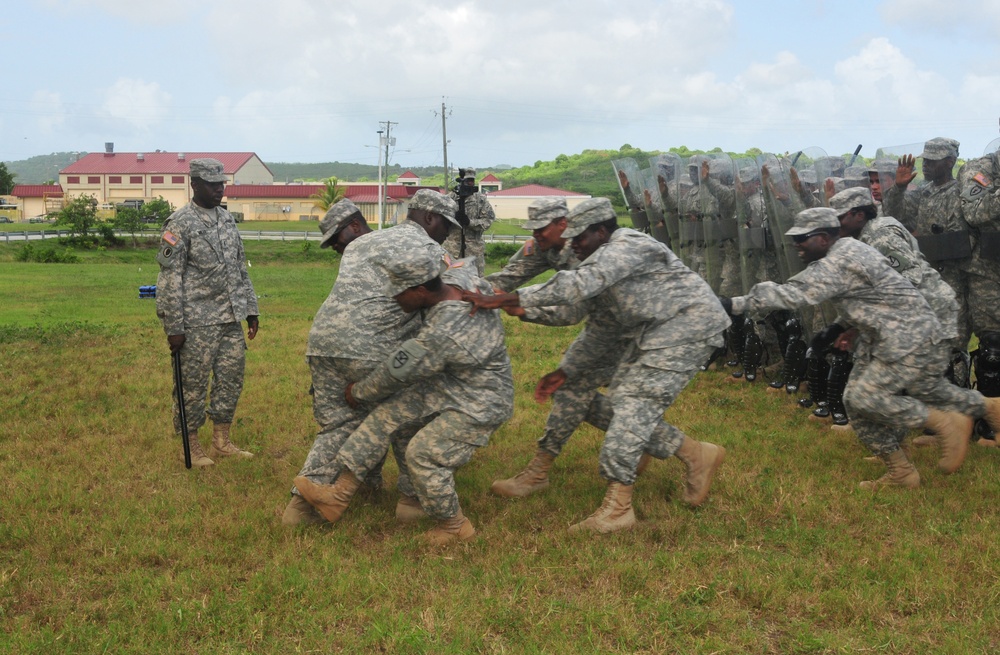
x=181 y=414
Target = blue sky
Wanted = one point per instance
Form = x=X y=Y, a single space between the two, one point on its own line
x=310 y=80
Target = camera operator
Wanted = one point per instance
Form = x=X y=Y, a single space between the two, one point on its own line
x=475 y=215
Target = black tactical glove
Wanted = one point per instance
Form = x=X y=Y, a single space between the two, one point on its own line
x=823 y=339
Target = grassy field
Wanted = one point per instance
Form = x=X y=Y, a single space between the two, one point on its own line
x=108 y=545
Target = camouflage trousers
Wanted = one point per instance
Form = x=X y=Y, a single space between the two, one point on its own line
x=218 y=351
x=475 y=246
x=435 y=446
x=984 y=304
x=336 y=419
x=645 y=385
x=881 y=415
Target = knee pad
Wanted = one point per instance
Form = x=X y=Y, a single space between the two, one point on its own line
x=986 y=362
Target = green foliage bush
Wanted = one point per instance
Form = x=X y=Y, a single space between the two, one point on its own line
x=46 y=255
x=499 y=253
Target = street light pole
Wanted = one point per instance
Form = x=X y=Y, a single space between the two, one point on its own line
x=380 y=179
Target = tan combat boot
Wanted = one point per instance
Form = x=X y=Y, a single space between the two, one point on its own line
x=298 y=511
x=925 y=440
x=533 y=478
x=330 y=499
x=448 y=531
x=222 y=446
x=408 y=510
x=614 y=514
x=901 y=473
x=198 y=457
x=993 y=415
x=701 y=460
x=953 y=431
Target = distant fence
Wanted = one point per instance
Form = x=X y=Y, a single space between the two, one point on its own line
x=247 y=235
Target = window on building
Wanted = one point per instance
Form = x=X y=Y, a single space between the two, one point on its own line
x=177 y=179
x=135 y=179
x=156 y=179
x=115 y=179
x=73 y=179
x=94 y=179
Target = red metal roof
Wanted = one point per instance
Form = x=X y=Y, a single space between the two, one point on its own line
x=127 y=163
x=37 y=191
x=408 y=175
x=534 y=190
x=490 y=177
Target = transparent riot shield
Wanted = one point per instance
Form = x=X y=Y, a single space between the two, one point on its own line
x=695 y=201
x=992 y=147
x=810 y=167
x=717 y=186
x=627 y=172
x=667 y=170
x=653 y=203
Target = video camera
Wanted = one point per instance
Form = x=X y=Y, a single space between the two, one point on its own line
x=462 y=189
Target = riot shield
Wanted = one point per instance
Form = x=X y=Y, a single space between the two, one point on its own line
x=992 y=147
x=718 y=212
x=653 y=203
x=810 y=168
x=695 y=201
x=627 y=172
x=886 y=162
x=667 y=170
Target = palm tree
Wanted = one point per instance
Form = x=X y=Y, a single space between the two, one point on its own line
x=328 y=196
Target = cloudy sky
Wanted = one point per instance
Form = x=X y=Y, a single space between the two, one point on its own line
x=311 y=80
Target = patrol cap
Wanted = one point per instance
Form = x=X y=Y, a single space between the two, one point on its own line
x=543 y=211
x=940 y=148
x=336 y=219
x=813 y=219
x=747 y=175
x=413 y=267
x=435 y=203
x=589 y=212
x=470 y=173
x=851 y=198
x=209 y=170
x=808 y=176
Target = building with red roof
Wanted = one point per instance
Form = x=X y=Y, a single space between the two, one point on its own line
x=32 y=200
x=513 y=203
x=115 y=177
x=490 y=184
x=276 y=202
x=409 y=178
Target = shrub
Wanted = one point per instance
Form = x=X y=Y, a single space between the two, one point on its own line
x=499 y=253
x=46 y=255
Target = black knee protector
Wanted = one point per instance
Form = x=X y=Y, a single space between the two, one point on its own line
x=986 y=362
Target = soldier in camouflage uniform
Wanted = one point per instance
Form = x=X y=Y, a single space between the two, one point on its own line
x=672 y=323
x=979 y=181
x=898 y=346
x=454 y=373
x=857 y=213
x=578 y=400
x=934 y=213
x=358 y=325
x=544 y=251
x=475 y=215
x=203 y=291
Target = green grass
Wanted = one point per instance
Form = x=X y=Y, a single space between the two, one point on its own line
x=108 y=545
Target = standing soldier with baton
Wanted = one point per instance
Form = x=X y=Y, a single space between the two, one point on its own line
x=202 y=293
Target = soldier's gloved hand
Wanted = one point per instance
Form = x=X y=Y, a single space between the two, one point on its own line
x=176 y=342
x=825 y=337
x=727 y=304
x=252 y=324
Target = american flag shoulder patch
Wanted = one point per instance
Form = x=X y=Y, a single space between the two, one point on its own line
x=170 y=237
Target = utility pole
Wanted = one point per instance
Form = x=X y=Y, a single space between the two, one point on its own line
x=444 y=142
x=379 y=179
x=385 y=141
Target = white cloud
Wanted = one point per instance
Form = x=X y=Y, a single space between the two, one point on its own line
x=981 y=17
x=49 y=111
x=143 y=105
